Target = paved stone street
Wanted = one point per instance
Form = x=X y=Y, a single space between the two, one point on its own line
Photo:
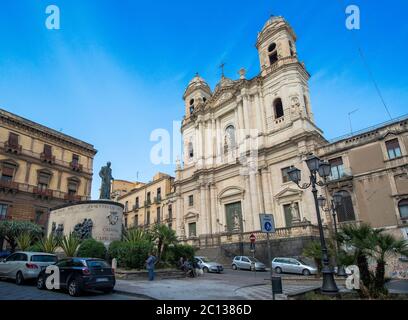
x=10 y=291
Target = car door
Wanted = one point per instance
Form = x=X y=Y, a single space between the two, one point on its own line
x=286 y=266
x=63 y=267
x=246 y=263
x=297 y=267
x=6 y=265
x=19 y=264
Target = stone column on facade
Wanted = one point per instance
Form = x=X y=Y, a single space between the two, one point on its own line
x=247 y=120
x=260 y=191
x=213 y=146
x=203 y=217
x=262 y=111
x=59 y=180
x=266 y=187
x=214 y=213
x=209 y=208
x=254 y=198
x=219 y=141
x=27 y=176
x=259 y=124
x=249 y=222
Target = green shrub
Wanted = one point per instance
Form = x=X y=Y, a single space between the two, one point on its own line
x=36 y=247
x=91 y=248
x=130 y=255
x=175 y=252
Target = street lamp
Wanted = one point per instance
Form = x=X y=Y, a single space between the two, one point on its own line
x=337 y=200
x=317 y=166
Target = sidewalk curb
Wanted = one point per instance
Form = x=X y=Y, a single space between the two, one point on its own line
x=138 y=295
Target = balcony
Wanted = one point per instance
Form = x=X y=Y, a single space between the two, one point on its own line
x=157 y=199
x=8 y=186
x=42 y=193
x=343 y=174
x=135 y=207
x=147 y=203
x=12 y=147
x=75 y=166
x=48 y=158
x=72 y=198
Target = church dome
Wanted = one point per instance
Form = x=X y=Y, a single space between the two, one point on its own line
x=224 y=82
x=197 y=83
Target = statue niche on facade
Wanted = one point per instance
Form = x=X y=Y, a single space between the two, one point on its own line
x=106 y=176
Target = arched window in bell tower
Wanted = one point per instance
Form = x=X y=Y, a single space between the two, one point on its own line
x=191 y=106
x=278 y=108
x=273 y=53
x=292 y=53
x=190 y=150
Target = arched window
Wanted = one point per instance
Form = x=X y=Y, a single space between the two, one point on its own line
x=273 y=53
x=190 y=150
x=292 y=53
x=278 y=108
x=191 y=106
x=230 y=134
x=345 y=212
x=403 y=209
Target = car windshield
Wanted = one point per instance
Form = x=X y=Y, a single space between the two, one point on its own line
x=97 y=264
x=205 y=259
x=44 y=258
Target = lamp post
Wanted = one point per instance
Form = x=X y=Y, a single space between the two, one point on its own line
x=317 y=166
x=336 y=202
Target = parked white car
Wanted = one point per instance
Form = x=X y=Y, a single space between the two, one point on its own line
x=22 y=266
x=209 y=266
x=290 y=265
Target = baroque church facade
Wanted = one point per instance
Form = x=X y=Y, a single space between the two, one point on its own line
x=239 y=141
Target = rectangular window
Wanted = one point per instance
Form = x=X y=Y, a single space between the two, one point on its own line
x=13 y=139
x=75 y=159
x=190 y=200
x=158 y=194
x=72 y=188
x=38 y=215
x=136 y=221
x=192 y=229
x=149 y=200
x=137 y=203
x=7 y=173
x=285 y=175
x=158 y=215
x=393 y=149
x=126 y=206
x=47 y=150
x=170 y=212
x=126 y=222
x=148 y=217
x=3 y=211
x=337 y=168
x=288 y=215
x=43 y=180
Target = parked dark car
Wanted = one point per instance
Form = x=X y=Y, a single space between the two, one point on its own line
x=81 y=274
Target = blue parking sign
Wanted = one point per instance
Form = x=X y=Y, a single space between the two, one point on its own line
x=267 y=223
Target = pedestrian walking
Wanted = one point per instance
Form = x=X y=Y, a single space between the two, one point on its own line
x=150 y=262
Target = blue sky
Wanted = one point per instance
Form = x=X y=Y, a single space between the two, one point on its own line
x=117 y=69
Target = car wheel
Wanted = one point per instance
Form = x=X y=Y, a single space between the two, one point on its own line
x=205 y=269
x=278 y=270
x=306 y=272
x=19 y=278
x=234 y=267
x=73 y=288
x=41 y=283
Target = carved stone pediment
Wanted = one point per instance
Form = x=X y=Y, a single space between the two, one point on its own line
x=191 y=215
x=288 y=193
x=220 y=99
x=230 y=192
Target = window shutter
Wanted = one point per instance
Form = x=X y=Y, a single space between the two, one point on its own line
x=47 y=150
x=44 y=178
x=13 y=139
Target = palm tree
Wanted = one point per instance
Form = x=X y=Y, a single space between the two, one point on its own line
x=165 y=236
x=48 y=244
x=70 y=244
x=137 y=235
x=362 y=239
x=387 y=245
x=24 y=241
